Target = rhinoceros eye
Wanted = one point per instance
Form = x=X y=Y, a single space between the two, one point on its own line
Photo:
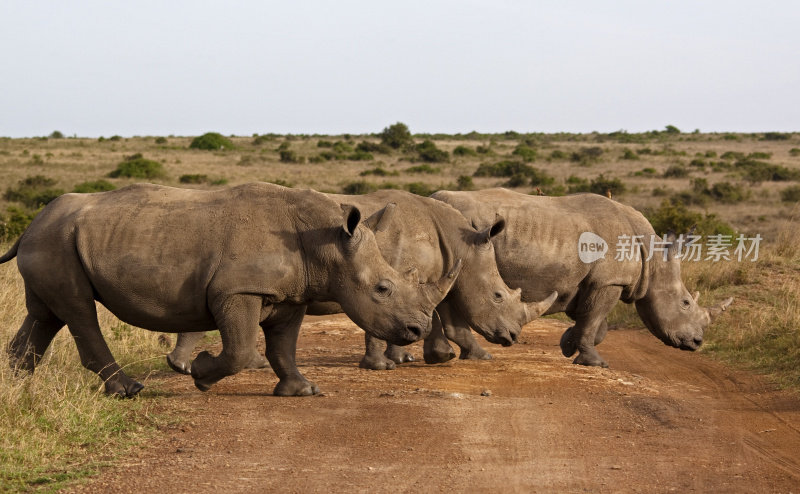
x=686 y=303
x=384 y=288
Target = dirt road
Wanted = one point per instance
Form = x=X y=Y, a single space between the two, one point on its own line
x=658 y=420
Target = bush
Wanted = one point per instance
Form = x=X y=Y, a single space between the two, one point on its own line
x=324 y=144
x=420 y=189
x=396 y=136
x=211 y=141
x=12 y=225
x=577 y=184
x=732 y=155
x=161 y=140
x=728 y=193
x=56 y=134
x=677 y=218
x=629 y=154
x=503 y=169
x=527 y=154
x=759 y=155
x=794 y=152
x=360 y=156
x=676 y=171
x=791 y=194
x=373 y=147
x=94 y=186
x=587 y=156
x=289 y=156
x=698 y=163
x=671 y=129
x=263 y=139
x=558 y=155
x=464 y=151
x=428 y=152
x=33 y=191
x=196 y=178
x=138 y=167
x=379 y=172
x=760 y=171
x=516 y=181
x=465 y=182
x=360 y=187
x=426 y=168
x=540 y=178
x=776 y=136
x=342 y=147
x=602 y=185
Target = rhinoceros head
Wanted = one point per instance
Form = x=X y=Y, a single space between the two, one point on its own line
x=392 y=306
x=668 y=310
x=490 y=307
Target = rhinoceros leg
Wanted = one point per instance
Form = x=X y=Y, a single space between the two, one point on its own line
x=458 y=331
x=281 y=336
x=590 y=326
x=602 y=331
x=76 y=307
x=436 y=349
x=237 y=319
x=374 y=357
x=27 y=347
x=179 y=359
x=398 y=354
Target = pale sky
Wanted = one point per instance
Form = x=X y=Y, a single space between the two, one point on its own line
x=99 y=68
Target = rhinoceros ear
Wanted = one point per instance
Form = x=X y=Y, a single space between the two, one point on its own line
x=352 y=217
x=673 y=246
x=380 y=221
x=486 y=235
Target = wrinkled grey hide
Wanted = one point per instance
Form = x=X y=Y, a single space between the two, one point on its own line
x=538 y=252
x=424 y=238
x=168 y=259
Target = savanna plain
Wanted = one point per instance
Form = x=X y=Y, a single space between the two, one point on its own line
x=725 y=418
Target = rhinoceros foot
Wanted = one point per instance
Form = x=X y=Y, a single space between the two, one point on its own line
x=295 y=387
x=568 y=345
x=178 y=365
x=123 y=388
x=376 y=362
x=398 y=355
x=439 y=355
x=201 y=371
x=475 y=353
x=590 y=358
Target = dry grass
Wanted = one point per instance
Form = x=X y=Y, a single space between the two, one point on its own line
x=56 y=425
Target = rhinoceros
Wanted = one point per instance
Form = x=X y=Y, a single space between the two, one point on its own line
x=167 y=259
x=539 y=253
x=428 y=239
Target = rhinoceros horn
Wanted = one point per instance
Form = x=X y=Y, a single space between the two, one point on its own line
x=716 y=310
x=438 y=290
x=536 y=309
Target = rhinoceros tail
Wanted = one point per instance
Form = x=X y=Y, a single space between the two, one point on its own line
x=12 y=252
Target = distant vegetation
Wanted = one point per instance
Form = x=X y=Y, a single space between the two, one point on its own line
x=211 y=141
x=136 y=166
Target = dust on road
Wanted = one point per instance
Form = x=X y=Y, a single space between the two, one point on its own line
x=658 y=420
